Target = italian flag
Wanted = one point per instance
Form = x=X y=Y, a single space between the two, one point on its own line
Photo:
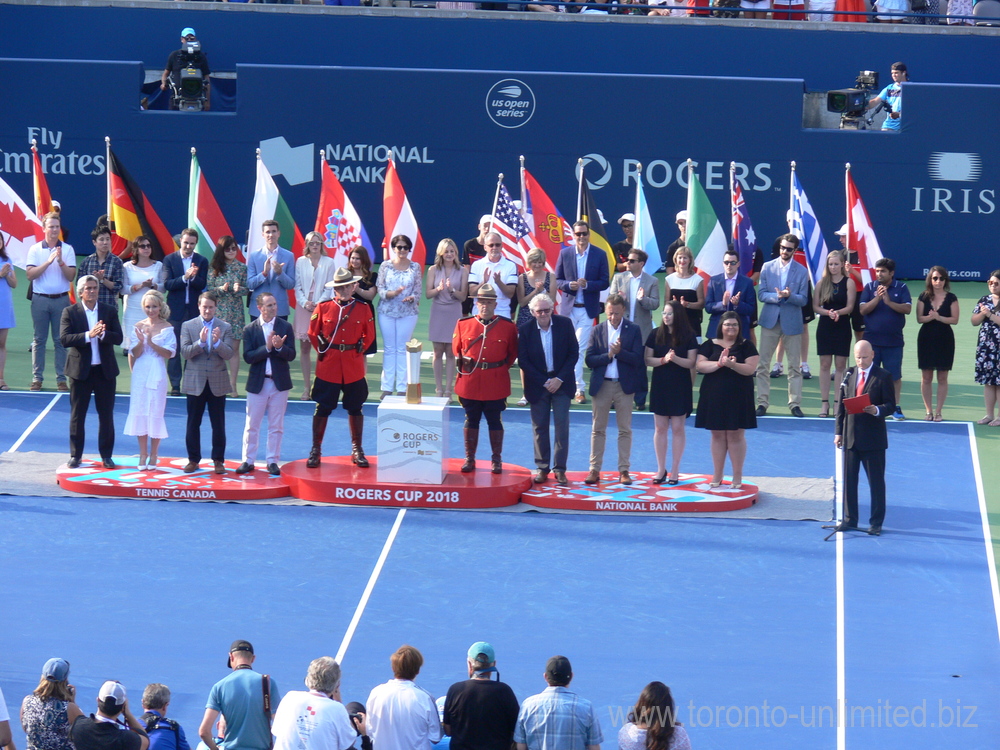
x=704 y=232
x=268 y=204
x=204 y=213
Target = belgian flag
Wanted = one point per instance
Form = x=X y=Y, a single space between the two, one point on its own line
x=587 y=211
x=130 y=213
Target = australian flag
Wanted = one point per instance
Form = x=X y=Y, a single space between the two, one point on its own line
x=744 y=240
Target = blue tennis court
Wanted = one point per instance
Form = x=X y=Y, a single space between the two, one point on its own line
x=739 y=616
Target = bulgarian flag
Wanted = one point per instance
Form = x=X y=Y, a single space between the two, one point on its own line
x=337 y=219
x=268 y=204
x=398 y=216
x=204 y=213
x=130 y=213
x=704 y=232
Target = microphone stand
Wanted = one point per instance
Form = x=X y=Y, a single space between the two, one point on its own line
x=843 y=464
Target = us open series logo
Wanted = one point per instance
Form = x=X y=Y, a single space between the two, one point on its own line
x=510 y=103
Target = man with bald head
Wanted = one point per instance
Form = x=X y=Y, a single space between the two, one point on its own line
x=861 y=433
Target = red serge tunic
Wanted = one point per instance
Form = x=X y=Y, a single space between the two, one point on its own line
x=485 y=354
x=341 y=326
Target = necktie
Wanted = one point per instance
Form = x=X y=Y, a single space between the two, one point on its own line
x=861 y=383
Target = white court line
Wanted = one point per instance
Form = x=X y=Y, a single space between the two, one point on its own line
x=841 y=650
x=990 y=559
x=33 y=425
x=344 y=644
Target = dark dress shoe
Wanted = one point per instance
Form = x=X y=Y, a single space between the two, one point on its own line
x=660 y=479
x=624 y=477
x=542 y=475
x=175 y=392
x=191 y=468
x=245 y=468
x=593 y=477
x=761 y=411
x=561 y=477
x=314 y=459
x=273 y=470
x=73 y=463
x=108 y=463
x=797 y=412
x=220 y=467
x=875 y=530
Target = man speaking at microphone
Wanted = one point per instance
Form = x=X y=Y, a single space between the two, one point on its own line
x=863 y=437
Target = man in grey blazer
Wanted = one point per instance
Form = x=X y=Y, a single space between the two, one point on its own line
x=783 y=291
x=641 y=293
x=206 y=344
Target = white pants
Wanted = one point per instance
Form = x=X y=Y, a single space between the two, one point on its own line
x=270 y=402
x=583 y=324
x=395 y=333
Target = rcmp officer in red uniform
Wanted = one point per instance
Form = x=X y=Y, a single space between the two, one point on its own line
x=485 y=347
x=340 y=330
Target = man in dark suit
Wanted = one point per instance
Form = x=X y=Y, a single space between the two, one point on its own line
x=186 y=278
x=863 y=436
x=730 y=290
x=582 y=274
x=615 y=356
x=547 y=352
x=268 y=347
x=90 y=331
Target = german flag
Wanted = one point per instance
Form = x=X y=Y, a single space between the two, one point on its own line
x=587 y=211
x=130 y=213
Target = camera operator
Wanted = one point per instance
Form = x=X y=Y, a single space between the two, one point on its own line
x=188 y=56
x=891 y=97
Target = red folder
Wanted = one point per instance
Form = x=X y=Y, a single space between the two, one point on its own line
x=857 y=404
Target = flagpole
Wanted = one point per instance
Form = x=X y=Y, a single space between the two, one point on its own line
x=107 y=169
x=847 y=201
x=496 y=197
x=732 y=202
x=791 y=192
x=638 y=189
x=579 y=192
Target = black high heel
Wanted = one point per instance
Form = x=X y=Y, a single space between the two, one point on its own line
x=660 y=479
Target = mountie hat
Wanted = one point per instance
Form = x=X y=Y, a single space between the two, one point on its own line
x=485 y=292
x=559 y=669
x=56 y=670
x=482 y=648
x=238 y=645
x=343 y=277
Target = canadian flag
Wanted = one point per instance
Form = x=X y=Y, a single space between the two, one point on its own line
x=860 y=235
x=398 y=216
x=18 y=224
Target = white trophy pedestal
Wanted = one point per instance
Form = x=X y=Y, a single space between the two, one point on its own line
x=412 y=440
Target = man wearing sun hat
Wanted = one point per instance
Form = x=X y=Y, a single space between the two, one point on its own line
x=245 y=699
x=480 y=712
x=340 y=331
x=557 y=717
x=101 y=731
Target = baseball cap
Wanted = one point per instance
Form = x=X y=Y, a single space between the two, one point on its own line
x=56 y=670
x=842 y=232
x=558 y=668
x=238 y=645
x=482 y=648
x=112 y=692
x=682 y=215
x=187 y=31
x=627 y=217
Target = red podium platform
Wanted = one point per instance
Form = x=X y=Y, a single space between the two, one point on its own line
x=691 y=495
x=339 y=481
x=169 y=482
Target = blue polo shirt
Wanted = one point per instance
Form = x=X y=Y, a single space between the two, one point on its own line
x=240 y=698
x=883 y=326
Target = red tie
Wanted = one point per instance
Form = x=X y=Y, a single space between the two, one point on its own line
x=861 y=383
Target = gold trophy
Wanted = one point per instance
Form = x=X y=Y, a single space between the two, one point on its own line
x=414 y=349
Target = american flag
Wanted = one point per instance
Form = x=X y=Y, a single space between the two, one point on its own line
x=744 y=239
x=512 y=228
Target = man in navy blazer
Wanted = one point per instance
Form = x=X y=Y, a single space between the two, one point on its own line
x=90 y=331
x=863 y=436
x=783 y=292
x=186 y=278
x=547 y=352
x=615 y=357
x=268 y=347
x=730 y=290
x=582 y=274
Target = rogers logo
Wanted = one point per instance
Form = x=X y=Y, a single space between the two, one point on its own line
x=510 y=103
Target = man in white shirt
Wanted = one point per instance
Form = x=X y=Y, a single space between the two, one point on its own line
x=497 y=271
x=314 y=720
x=401 y=715
x=271 y=270
x=51 y=267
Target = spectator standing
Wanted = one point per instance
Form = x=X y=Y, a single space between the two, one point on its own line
x=315 y=719
x=475 y=249
x=50 y=266
x=885 y=303
x=987 y=317
x=627 y=223
x=480 y=713
x=398 y=286
x=833 y=300
x=402 y=715
x=447 y=288
x=937 y=312
x=581 y=275
x=186 y=279
x=557 y=717
x=534 y=281
x=244 y=699
x=142 y=274
x=101 y=731
x=681 y=222
x=641 y=293
x=687 y=287
x=8 y=281
x=164 y=733
x=653 y=722
x=271 y=269
x=227 y=280
x=312 y=272
x=360 y=265
x=104 y=266
x=6 y=741
x=730 y=291
x=497 y=271
x=180 y=59
x=49 y=711
x=671 y=350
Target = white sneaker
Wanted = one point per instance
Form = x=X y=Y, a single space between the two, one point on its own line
x=776 y=371
x=806 y=374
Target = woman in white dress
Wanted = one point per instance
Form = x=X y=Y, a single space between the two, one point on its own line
x=312 y=271
x=154 y=343
x=142 y=274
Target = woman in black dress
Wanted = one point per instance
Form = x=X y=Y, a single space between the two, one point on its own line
x=937 y=312
x=360 y=264
x=671 y=350
x=725 y=403
x=833 y=300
